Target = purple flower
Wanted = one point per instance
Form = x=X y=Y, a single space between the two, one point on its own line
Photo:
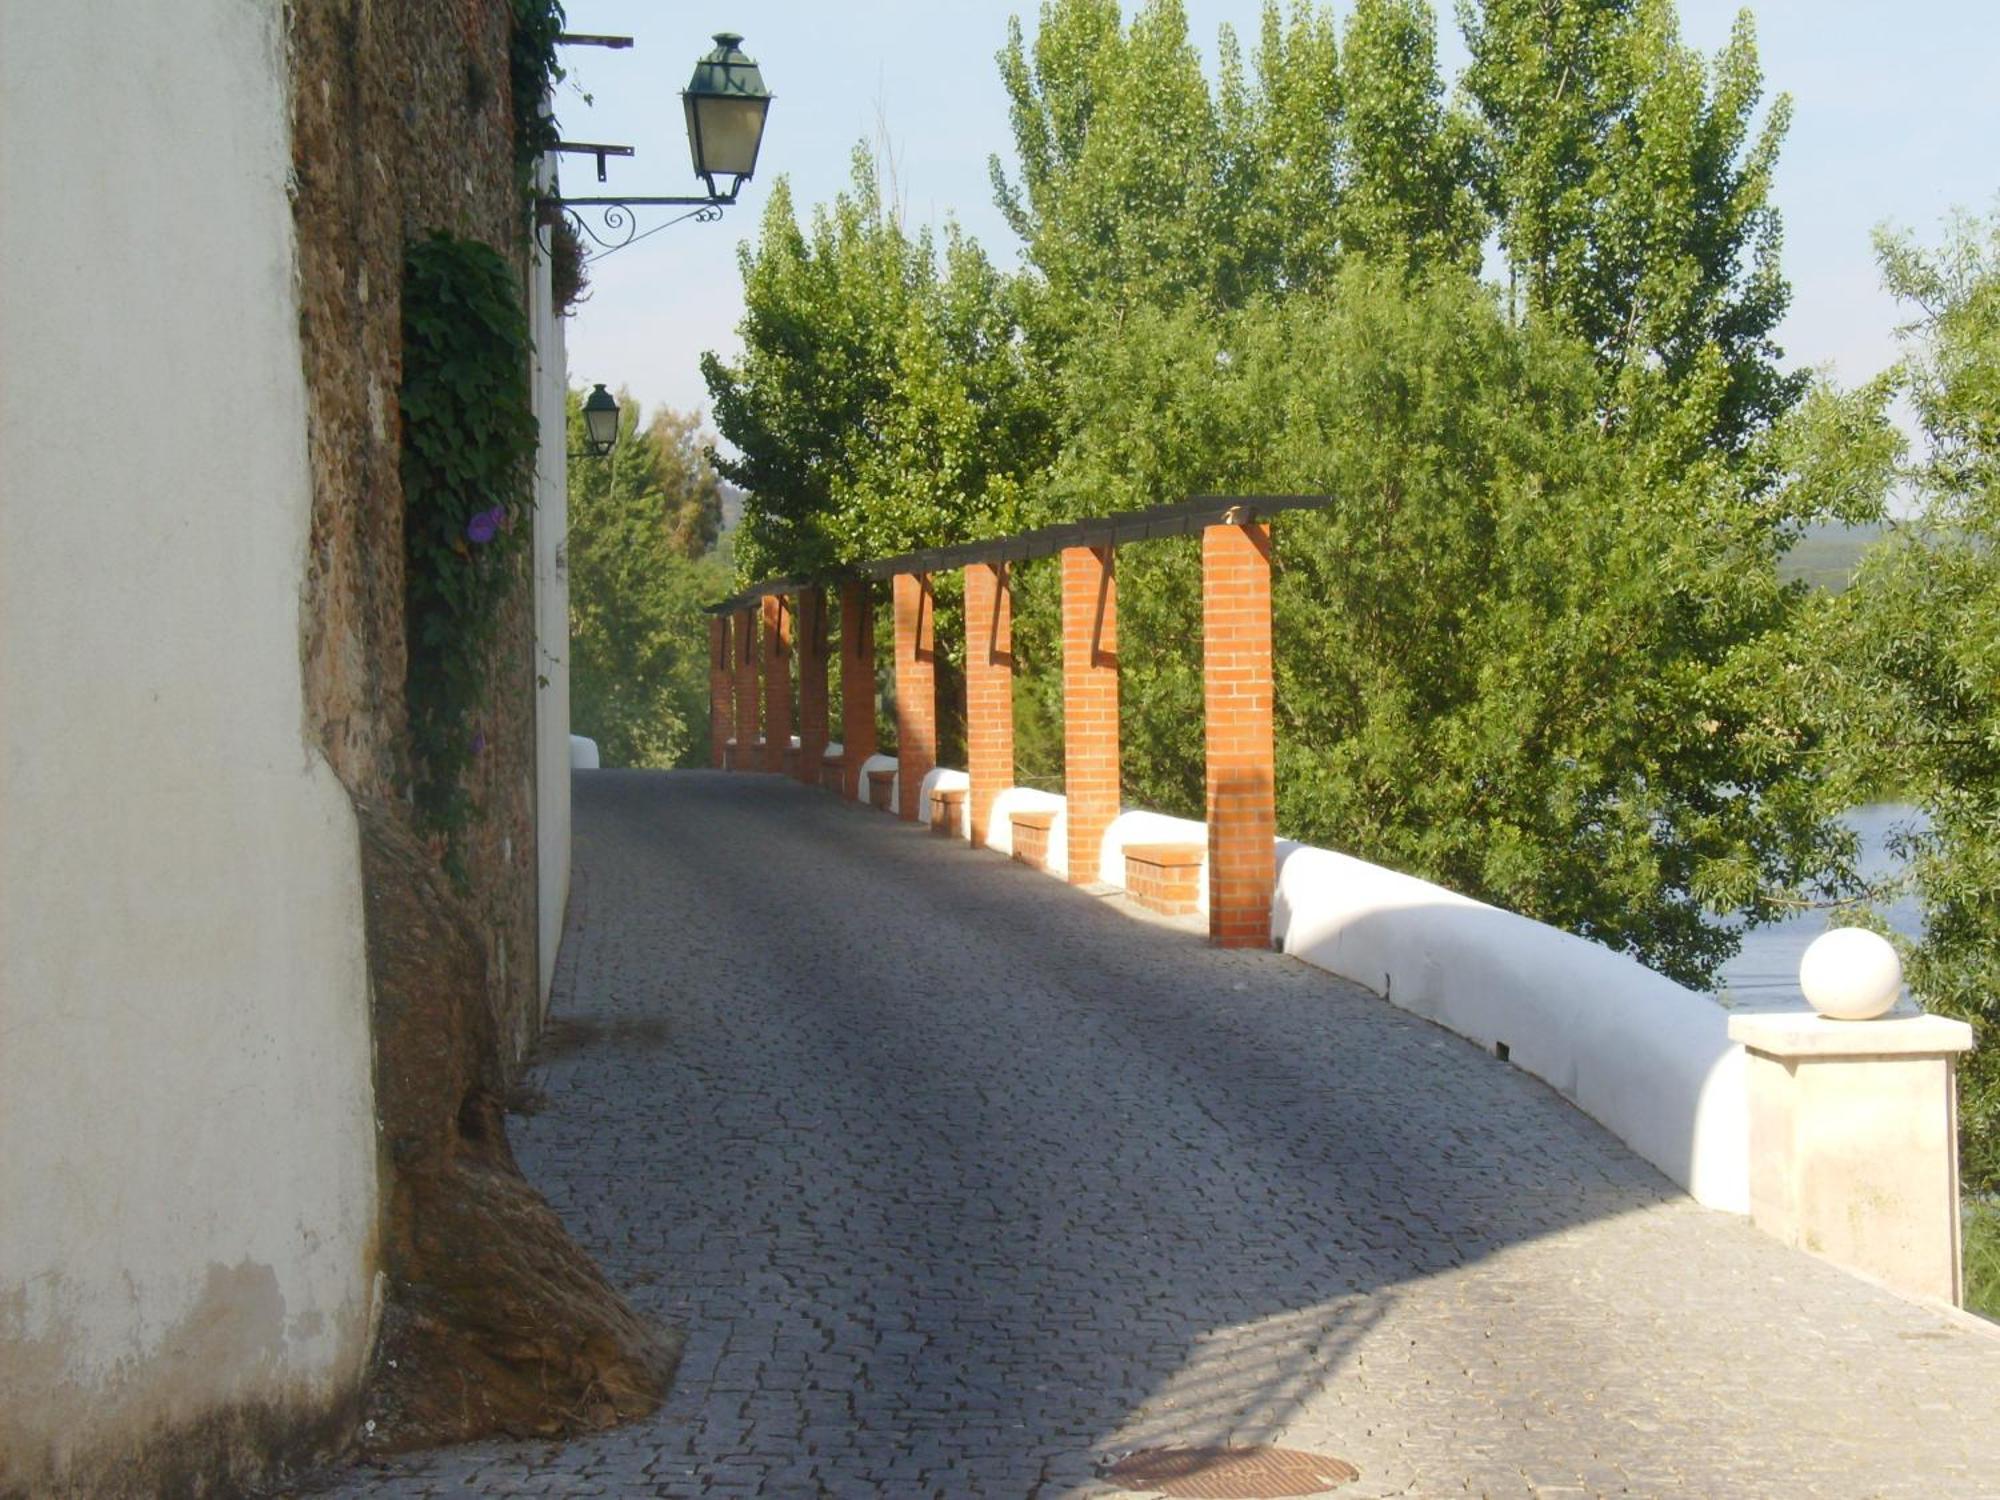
x=483 y=527
x=479 y=742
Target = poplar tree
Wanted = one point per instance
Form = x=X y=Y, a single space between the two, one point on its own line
x=1911 y=672
x=1632 y=183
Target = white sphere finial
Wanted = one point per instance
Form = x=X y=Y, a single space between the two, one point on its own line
x=1851 y=974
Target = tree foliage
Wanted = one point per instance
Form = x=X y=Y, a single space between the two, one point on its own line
x=641 y=522
x=1914 y=646
x=1631 y=181
x=882 y=401
x=1549 y=575
x=1577 y=649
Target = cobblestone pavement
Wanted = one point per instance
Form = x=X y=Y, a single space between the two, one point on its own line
x=960 y=1180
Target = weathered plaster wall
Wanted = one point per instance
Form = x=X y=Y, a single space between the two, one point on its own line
x=401 y=126
x=187 y=1153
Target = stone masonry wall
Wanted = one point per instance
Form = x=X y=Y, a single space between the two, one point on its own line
x=401 y=126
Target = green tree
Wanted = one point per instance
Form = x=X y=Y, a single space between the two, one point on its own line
x=640 y=522
x=883 y=401
x=1632 y=187
x=1577 y=651
x=1915 y=643
x=1411 y=184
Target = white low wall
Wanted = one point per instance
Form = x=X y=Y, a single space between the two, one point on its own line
x=1027 y=799
x=1133 y=826
x=944 y=779
x=1646 y=1058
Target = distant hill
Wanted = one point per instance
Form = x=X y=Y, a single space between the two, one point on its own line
x=1826 y=555
x=732 y=507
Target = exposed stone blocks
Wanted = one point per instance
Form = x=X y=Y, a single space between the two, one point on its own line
x=746 y=690
x=1090 y=702
x=1165 y=878
x=1031 y=837
x=989 y=690
x=916 y=688
x=857 y=685
x=777 y=681
x=813 y=642
x=721 y=691
x=1236 y=666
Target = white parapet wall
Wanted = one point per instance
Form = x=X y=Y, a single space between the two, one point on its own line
x=944 y=779
x=1029 y=799
x=187 y=1138
x=1648 y=1059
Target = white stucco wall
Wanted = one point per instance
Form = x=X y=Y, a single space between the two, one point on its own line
x=187 y=1150
x=1648 y=1059
x=552 y=747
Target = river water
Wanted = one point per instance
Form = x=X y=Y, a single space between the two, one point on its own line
x=1765 y=973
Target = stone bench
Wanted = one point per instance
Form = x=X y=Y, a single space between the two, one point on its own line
x=947 y=804
x=881 y=787
x=1031 y=836
x=833 y=770
x=1165 y=878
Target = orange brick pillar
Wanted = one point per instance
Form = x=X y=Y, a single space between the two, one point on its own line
x=1090 y=703
x=1236 y=677
x=746 y=689
x=916 y=689
x=777 y=681
x=721 y=694
x=812 y=683
x=989 y=689
x=857 y=685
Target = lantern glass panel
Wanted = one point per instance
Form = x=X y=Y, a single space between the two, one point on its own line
x=600 y=420
x=724 y=132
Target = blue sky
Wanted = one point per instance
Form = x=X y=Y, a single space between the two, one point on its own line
x=1896 y=119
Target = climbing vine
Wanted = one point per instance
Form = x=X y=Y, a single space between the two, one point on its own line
x=532 y=68
x=469 y=437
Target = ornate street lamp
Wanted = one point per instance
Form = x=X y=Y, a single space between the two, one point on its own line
x=726 y=104
x=600 y=422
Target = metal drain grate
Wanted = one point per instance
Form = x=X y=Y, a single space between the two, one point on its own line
x=1229 y=1473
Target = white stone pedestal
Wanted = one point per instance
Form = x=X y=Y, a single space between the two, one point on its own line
x=1854 y=1141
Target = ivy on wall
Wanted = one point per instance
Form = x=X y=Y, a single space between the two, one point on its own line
x=532 y=68
x=469 y=437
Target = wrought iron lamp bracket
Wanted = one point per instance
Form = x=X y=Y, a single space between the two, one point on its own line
x=618 y=221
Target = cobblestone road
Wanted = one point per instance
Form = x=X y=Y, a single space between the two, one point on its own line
x=960 y=1180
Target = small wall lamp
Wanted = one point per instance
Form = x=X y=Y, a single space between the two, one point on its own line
x=600 y=423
